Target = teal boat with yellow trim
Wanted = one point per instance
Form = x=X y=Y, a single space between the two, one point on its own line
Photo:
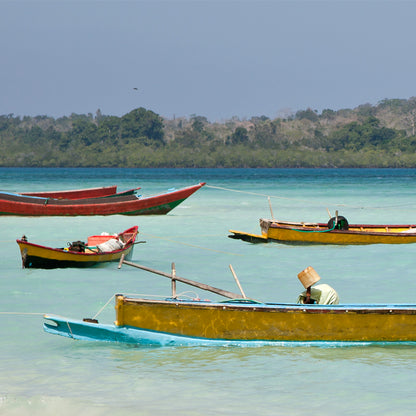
x=240 y=321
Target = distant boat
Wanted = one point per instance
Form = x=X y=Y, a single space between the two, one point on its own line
x=75 y=193
x=103 y=192
x=98 y=249
x=336 y=231
x=241 y=321
x=15 y=204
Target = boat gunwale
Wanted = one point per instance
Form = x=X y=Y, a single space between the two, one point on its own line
x=77 y=253
x=320 y=227
x=382 y=308
x=69 y=253
x=37 y=200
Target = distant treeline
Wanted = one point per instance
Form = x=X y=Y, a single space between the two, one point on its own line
x=367 y=136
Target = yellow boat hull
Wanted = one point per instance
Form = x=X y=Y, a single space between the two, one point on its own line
x=37 y=256
x=320 y=234
x=269 y=322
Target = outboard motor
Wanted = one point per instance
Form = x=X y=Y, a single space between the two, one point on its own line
x=338 y=223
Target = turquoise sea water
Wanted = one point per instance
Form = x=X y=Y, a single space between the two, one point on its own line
x=43 y=374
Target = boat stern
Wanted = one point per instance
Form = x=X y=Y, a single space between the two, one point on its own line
x=264 y=226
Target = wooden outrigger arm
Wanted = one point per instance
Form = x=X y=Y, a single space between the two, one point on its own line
x=175 y=277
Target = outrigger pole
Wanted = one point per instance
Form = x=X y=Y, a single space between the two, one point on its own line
x=175 y=277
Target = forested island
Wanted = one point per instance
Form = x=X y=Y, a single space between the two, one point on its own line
x=382 y=135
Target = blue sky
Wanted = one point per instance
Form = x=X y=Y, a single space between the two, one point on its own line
x=216 y=59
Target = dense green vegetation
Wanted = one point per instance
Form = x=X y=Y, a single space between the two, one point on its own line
x=367 y=136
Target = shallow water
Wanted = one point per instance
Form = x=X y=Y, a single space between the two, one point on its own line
x=44 y=374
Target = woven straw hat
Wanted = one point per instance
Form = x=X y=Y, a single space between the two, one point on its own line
x=308 y=277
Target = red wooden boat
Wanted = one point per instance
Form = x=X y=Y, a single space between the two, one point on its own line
x=98 y=249
x=103 y=192
x=75 y=193
x=15 y=204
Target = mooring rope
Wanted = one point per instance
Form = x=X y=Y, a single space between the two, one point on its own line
x=22 y=313
x=112 y=297
x=254 y=193
x=309 y=201
x=70 y=330
x=316 y=231
x=109 y=300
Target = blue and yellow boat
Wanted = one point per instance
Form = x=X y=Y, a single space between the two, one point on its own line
x=243 y=322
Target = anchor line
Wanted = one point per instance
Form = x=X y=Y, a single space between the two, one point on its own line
x=308 y=200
